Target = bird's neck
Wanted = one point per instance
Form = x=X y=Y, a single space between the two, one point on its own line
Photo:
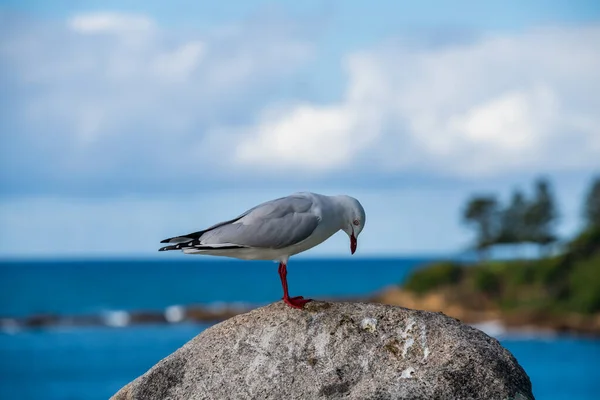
x=342 y=208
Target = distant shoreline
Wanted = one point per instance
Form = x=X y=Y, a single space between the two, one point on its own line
x=492 y=322
x=572 y=324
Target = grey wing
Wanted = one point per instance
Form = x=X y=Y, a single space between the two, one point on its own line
x=276 y=224
x=196 y=235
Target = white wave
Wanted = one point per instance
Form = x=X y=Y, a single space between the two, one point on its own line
x=498 y=330
x=175 y=314
x=492 y=328
x=116 y=319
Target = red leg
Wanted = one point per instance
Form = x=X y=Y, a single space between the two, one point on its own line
x=295 y=302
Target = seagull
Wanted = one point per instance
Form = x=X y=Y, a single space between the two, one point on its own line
x=276 y=230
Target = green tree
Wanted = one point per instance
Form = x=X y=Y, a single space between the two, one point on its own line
x=592 y=205
x=482 y=213
x=541 y=216
x=512 y=220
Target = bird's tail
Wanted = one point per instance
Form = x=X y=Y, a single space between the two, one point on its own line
x=179 y=246
x=183 y=238
x=182 y=242
x=195 y=245
x=173 y=247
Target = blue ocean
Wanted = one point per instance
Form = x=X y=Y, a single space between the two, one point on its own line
x=69 y=363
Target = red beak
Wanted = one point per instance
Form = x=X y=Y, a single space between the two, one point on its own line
x=353 y=243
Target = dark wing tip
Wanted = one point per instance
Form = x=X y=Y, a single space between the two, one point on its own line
x=174 y=247
x=166 y=240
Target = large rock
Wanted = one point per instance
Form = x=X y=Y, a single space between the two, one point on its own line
x=334 y=351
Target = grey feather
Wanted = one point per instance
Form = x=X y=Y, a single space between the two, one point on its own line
x=275 y=224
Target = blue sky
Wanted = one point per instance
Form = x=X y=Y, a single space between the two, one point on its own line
x=124 y=122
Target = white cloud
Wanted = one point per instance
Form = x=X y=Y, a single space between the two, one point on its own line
x=106 y=22
x=181 y=62
x=522 y=102
x=108 y=99
x=291 y=138
x=102 y=92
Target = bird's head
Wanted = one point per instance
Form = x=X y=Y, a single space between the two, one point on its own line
x=353 y=218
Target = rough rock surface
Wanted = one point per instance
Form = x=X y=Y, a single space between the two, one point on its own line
x=335 y=351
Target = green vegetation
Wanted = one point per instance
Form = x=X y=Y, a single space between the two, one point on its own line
x=434 y=277
x=522 y=221
x=481 y=213
x=565 y=283
x=592 y=204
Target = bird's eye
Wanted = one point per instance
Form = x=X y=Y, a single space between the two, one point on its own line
x=356 y=222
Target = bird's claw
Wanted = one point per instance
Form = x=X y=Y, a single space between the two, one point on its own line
x=296 y=302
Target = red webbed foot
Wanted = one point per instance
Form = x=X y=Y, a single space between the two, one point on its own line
x=296 y=302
